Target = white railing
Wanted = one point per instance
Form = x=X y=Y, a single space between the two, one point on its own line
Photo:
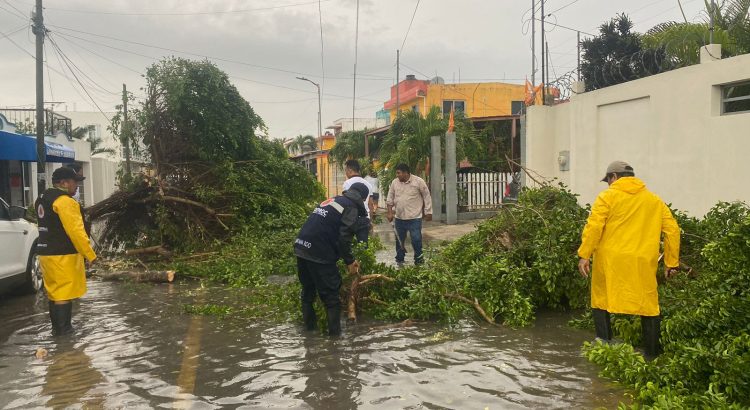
x=482 y=190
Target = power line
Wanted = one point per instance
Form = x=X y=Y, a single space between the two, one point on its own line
x=65 y=37
x=563 y=7
x=20 y=13
x=7 y=36
x=66 y=60
x=172 y=50
x=197 y=13
x=322 y=59
x=409 y=28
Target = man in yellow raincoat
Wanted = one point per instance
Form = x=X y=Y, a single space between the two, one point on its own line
x=62 y=246
x=623 y=234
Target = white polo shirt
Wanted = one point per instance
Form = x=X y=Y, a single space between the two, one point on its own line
x=353 y=180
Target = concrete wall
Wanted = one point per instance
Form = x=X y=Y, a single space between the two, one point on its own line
x=669 y=127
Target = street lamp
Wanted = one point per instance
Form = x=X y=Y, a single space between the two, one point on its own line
x=320 y=130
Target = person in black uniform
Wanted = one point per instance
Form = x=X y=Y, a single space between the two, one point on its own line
x=325 y=238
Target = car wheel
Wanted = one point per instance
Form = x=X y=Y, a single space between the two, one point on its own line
x=34 y=279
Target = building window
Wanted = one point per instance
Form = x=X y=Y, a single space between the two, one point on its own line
x=456 y=105
x=735 y=98
x=516 y=107
x=415 y=108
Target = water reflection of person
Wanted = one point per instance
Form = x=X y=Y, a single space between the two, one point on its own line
x=69 y=377
x=331 y=371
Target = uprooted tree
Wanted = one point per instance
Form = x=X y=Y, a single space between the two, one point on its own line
x=208 y=172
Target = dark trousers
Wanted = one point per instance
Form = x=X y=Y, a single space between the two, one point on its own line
x=414 y=228
x=650 y=326
x=325 y=281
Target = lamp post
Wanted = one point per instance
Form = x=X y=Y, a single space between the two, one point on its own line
x=320 y=130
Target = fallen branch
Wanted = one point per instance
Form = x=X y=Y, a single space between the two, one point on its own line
x=157 y=249
x=475 y=303
x=374 y=300
x=138 y=276
x=354 y=289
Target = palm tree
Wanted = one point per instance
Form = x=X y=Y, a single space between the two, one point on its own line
x=682 y=41
x=351 y=145
x=85 y=133
x=409 y=138
x=303 y=143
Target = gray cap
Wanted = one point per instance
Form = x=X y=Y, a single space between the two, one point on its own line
x=617 y=167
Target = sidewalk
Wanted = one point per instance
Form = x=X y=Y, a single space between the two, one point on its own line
x=433 y=234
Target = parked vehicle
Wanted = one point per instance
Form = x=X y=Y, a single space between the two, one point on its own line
x=19 y=264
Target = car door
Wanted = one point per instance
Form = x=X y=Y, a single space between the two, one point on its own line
x=12 y=242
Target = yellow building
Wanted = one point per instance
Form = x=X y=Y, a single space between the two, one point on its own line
x=475 y=100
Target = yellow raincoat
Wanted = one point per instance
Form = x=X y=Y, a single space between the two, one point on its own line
x=623 y=234
x=65 y=275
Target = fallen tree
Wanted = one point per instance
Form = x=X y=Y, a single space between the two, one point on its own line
x=207 y=171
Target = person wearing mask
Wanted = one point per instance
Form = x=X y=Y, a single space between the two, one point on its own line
x=623 y=234
x=325 y=238
x=63 y=245
x=408 y=202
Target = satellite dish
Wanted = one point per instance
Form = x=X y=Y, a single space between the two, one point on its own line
x=437 y=80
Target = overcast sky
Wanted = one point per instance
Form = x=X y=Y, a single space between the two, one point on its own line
x=264 y=44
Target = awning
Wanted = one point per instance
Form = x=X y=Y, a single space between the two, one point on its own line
x=19 y=147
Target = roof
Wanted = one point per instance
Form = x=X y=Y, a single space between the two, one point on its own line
x=378 y=131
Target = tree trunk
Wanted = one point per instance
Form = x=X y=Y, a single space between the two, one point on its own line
x=138 y=276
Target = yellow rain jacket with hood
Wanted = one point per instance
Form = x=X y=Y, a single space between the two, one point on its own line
x=63 y=245
x=623 y=234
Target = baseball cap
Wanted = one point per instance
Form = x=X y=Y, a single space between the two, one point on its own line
x=617 y=167
x=361 y=189
x=66 y=173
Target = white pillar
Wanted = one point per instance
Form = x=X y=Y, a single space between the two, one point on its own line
x=451 y=197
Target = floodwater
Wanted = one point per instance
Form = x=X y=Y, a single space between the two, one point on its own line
x=136 y=348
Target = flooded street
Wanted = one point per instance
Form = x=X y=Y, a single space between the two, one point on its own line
x=136 y=348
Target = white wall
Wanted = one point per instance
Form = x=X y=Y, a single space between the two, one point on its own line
x=669 y=127
x=96 y=119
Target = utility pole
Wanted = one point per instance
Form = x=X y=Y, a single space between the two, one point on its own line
x=544 y=82
x=711 y=26
x=533 y=44
x=320 y=130
x=546 y=47
x=41 y=152
x=125 y=130
x=398 y=80
x=578 y=55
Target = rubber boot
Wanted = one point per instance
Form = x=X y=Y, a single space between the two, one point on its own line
x=61 y=316
x=651 y=326
x=602 y=324
x=309 y=317
x=334 y=321
x=67 y=314
x=54 y=315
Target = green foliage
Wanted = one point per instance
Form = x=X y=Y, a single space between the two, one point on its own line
x=617 y=55
x=248 y=259
x=213 y=172
x=705 y=330
x=521 y=260
x=303 y=143
x=409 y=139
x=351 y=145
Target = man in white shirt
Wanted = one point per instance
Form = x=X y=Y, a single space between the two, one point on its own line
x=352 y=171
x=372 y=178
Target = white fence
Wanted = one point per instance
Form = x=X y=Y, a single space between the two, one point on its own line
x=482 y=190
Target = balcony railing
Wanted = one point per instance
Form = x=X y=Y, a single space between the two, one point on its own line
x=25 y=121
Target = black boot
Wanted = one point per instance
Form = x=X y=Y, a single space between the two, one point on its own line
x=334 y=320
x=309 y=317
x=602 y=324
x=61 y=315
x=651 y=326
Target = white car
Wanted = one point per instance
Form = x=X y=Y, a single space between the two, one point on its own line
x=19 y=264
